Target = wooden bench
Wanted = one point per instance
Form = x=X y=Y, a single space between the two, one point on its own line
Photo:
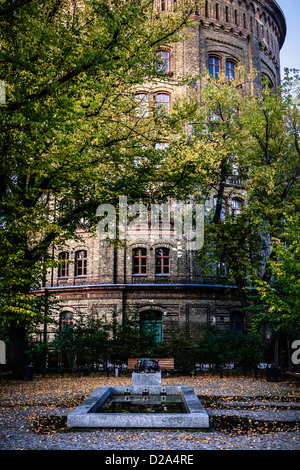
x=5 y=373
x=294 y=374
x=164 y=363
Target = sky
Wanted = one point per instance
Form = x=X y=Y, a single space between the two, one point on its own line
x=290 y=51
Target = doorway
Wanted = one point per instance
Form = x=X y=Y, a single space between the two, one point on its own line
x=151 y=323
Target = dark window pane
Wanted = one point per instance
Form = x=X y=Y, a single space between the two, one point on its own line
x=214 y=66
x=162 y=261
x=66 y=320
x=63 y=270
x=230 y=70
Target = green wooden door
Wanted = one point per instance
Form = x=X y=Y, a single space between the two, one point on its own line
x=151 y=323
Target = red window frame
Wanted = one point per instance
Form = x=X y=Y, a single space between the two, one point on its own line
x=63 y=269
x=80 y=263
x=163 y=65
x=163 y=101
x=66 y=320
x=139 y=261
x=214 y=66
x=230 y=70
x=162 y=261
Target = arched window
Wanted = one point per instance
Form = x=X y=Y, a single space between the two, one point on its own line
x=214 y=65
x=80 y=263
x=66 y=320
x=230 y=70
x=267 y=82
x=162 y=101
x=139 y=261
x=142 y=109
x=63 y=269
x=162 y=261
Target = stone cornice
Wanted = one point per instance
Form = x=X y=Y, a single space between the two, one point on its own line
x=268 y=7
x=273 y=9
x=225 y=28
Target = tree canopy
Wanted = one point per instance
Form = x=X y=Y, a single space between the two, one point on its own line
x=248 y=149
x=280 y=299
x=72 y=130
x=71 y=126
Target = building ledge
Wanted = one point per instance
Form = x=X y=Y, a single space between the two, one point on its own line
x=89 y=287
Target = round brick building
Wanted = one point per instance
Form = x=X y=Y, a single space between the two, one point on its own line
x=158 y=275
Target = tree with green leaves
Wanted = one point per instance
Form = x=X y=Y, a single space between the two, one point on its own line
x=248 y=151
x=280 y=297
x=72 y=129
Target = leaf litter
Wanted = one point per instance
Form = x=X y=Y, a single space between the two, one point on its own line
x=40 y=407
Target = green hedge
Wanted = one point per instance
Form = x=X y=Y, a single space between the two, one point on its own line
x=100 y=341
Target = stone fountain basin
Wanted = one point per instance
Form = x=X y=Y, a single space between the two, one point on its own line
x=89 y=414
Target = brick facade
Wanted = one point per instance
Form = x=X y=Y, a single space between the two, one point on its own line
x=247 y=32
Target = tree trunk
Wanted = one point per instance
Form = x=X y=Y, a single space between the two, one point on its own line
x=243 y=299
x=16 y=349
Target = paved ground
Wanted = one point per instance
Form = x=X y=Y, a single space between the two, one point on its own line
x=245 y=413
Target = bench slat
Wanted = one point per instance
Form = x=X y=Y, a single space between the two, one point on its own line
x=164 y=363
x=294 y=374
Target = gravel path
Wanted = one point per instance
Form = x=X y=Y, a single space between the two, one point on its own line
x=245 y=413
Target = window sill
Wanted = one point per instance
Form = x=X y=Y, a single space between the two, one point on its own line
x=145 y=275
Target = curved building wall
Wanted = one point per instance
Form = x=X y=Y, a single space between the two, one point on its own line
x=110 y=281
x=248 y=32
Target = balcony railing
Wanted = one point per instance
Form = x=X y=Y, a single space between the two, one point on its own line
x=235 y=180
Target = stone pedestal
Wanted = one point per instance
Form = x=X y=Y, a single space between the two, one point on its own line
x=149 y=379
